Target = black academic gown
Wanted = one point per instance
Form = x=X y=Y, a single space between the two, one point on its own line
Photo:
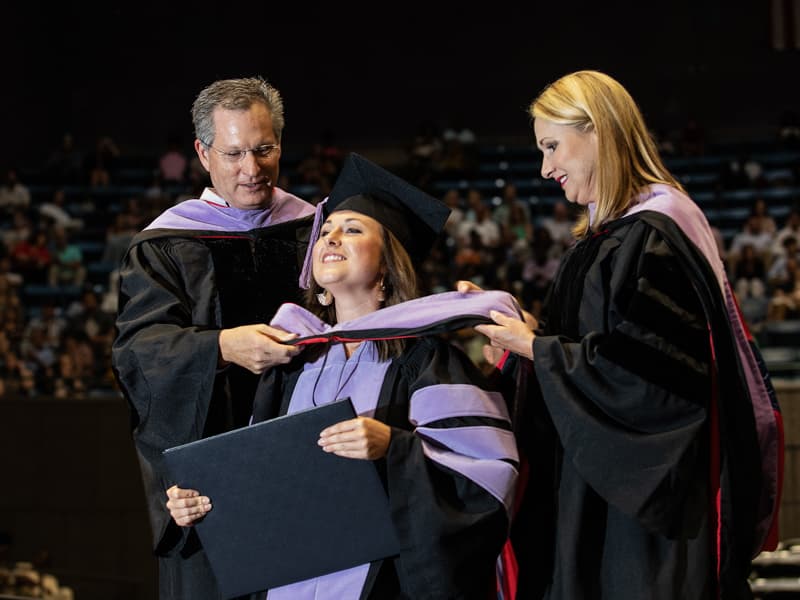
x=451 y=530
x=178 y=288
x=619 y=421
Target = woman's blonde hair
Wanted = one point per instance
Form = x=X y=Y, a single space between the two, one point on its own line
x=628 y=159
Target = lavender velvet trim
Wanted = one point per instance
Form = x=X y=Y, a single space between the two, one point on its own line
x=495 y=476
x=481 y=441
x=211 y=213
x=412 y=314
x=443 y=401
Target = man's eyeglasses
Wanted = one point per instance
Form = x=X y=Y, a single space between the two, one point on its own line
x=262 y=152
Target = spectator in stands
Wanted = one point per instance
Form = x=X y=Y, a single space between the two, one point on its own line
x=538 y=270
x=32 y=258
x=453 y=161
x=619 y=427
x=87 y=317
x=779 y=272
x=13 y=193
x=20 y=228
x=12 y=279
x=750 y=235
x=435 y=273
x=18 y=378
x=134 y=214
x=458 y=157
x=172 y=164
x=459 y=154
x=192 y=308
x=471 y=257
x=101 y=163
x=119 y=234
x=732 y=175
x=56 y=212
x=50 y=322
x=559 y=223
x=76 y=365
x=9 y=296
x=508 y=199
x=518 y=231
x=743 y=172
x=750 y=284
x=791 y=228
x=39 y=355
x=754 y=171
x=784 y=303
x=156 y=193
x=65 y=164
x=461 y=133
x=483 y=224
x=67 y=267
x=760 y=212
x=424 y=153
x=473 y=202
x=789 y=128
x=454 y=202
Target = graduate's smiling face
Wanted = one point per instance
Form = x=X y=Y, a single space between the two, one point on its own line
x=348 y=256
x=570 y=157
x=243 y=181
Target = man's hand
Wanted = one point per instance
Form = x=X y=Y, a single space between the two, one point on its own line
x=256 y=347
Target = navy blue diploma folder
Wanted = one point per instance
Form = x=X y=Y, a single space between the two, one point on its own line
x=284 y=510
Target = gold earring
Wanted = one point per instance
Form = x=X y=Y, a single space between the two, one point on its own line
x=324 y=298
x=381 y=290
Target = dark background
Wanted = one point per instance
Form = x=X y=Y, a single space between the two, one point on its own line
x=371 y=79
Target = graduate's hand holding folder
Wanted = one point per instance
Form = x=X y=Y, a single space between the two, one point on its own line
x=284 y=510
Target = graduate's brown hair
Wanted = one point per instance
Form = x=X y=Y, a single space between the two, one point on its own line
x=628 y=159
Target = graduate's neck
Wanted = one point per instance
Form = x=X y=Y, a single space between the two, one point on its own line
x=350 y=307
x=350 y=348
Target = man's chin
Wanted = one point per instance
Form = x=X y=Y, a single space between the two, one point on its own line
x=253 y=201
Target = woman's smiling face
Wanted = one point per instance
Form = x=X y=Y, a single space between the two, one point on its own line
x=348 y=255
x=569 y=157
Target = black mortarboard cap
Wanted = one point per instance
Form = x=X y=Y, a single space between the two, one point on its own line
x=414 y=217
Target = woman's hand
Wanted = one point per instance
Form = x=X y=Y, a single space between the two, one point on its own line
x=509 y=333
x=464 y=286
x=187 y=506
x=361 y=437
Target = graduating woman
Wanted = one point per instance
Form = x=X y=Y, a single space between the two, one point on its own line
x=436 y=429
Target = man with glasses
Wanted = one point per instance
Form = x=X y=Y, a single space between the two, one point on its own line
x=196 y=289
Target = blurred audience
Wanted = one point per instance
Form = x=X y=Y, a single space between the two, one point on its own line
x=55 y=340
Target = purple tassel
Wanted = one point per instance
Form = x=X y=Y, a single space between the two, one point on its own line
x=305 y=274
